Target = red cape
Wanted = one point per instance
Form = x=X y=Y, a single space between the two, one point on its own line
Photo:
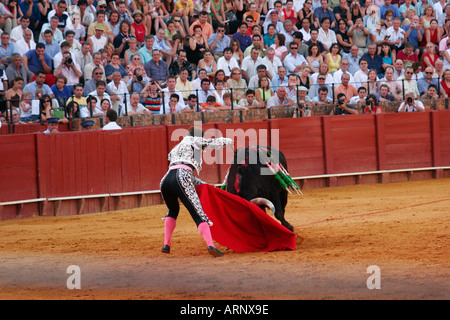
x=240 y=225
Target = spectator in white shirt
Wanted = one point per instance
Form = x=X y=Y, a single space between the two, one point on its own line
x=227 y=62
x=111 y=118
x=271 y=62
x=249 y=64
x=326 y=35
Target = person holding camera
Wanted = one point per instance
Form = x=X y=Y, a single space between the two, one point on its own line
x=304 y=104
x=371 y=106
x=411 y=105
x=341 y=107
x=69 y=69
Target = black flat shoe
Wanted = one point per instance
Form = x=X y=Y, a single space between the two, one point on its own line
x=165 y=249
x=214 y=252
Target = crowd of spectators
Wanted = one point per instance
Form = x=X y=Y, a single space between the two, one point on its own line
x=81 y=58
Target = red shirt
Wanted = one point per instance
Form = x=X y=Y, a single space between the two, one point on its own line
x=139 y=31
x=402 y=56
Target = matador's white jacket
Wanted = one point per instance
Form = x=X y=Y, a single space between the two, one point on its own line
x=189 y=150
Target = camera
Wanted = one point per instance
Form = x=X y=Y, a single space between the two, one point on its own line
x=139 y=78
x=68 y=60
x=368 y=102
x=409 y=100
x=341 y=102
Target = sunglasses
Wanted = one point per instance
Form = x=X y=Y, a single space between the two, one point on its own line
x=97 y=73
x=177 y=20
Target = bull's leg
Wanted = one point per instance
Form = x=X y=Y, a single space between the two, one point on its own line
x=280 y=201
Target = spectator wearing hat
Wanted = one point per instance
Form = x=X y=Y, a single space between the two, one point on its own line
x=138 y=29
x=98 y=40
x=304 y=103
x=101 y=15
x=273 y=18
x=87 y=125
x=52 y=125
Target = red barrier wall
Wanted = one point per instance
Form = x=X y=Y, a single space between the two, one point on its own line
x=79 y=164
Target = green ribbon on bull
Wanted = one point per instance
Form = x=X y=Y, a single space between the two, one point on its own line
x=282 y=175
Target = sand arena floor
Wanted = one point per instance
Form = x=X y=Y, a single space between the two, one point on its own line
x=402 y=228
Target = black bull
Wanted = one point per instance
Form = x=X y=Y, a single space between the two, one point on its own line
x=247 y=180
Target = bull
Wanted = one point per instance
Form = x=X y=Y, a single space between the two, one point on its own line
x=252 y=177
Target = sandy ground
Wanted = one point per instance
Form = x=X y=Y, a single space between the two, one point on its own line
x=402 y=228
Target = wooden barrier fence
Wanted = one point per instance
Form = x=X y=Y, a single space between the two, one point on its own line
x=83 y=172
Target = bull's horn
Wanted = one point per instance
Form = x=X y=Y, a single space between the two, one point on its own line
x=263 y=202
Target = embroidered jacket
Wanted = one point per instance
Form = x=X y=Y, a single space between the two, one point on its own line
x=189 y=150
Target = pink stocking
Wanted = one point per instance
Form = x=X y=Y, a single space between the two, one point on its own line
x=169 y=226
x=204 y=230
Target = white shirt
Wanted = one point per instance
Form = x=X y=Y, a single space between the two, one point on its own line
x=58 y=58
x=180 y=106
x=438 y=9
x=328 y=79
x=167 y=95
x=338 y=75
x=327 y=38
x=409 y=86
x=98 y=44
x=306 y=35
x=395 y=35
x=99 y=100
x=409 y=108
x=16 y=34
x=22 y=47
x=360 y=78
x=121 y=91
x=275 y=101
x=70 y=74
x=249 y=66
x=272 y=66
x=227 y=66
x=253 y=83
x=291 y=62
x=111 y=126
x=446 y=63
